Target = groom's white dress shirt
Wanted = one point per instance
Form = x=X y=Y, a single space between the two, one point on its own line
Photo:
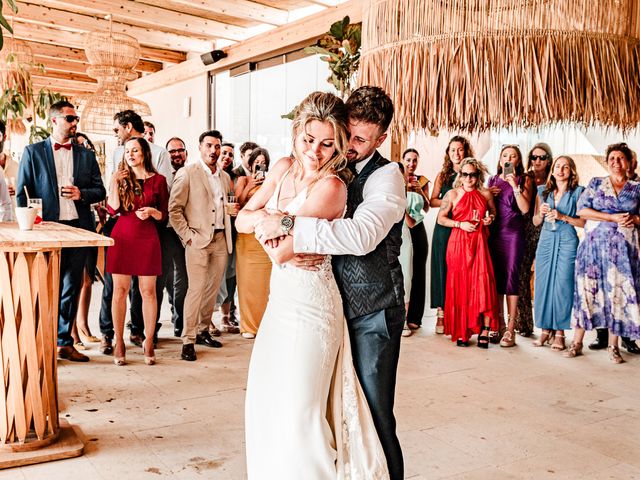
x=384 y=203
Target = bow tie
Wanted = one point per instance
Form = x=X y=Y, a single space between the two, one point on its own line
x=58 y=146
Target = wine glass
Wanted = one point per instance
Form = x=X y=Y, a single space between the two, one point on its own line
x=475 y=217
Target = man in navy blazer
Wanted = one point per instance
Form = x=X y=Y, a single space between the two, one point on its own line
x=67 y=178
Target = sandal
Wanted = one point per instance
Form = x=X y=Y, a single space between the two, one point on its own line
x=574 y=350
x=440 y=322
x=406 y=331
x=614 y=354
x=483 y=340
x=508 y=340
x=544 y=338
x=462 y=343
x=558 y=343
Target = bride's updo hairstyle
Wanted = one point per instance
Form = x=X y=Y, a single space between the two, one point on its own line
x=326 y=108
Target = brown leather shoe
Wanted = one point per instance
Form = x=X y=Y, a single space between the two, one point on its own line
x=106 y=346
x=71 y=354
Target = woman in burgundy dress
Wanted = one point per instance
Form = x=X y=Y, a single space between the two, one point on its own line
x=139 y=194
x=512 y=192
x=469 y=266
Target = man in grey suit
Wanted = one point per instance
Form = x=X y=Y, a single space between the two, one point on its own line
x=67 y=178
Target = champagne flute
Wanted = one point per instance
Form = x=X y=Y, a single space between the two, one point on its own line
x=475 y=218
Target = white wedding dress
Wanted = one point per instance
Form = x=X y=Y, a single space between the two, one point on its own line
x=306 y=416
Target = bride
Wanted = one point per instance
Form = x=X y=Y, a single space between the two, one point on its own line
x=305 y=413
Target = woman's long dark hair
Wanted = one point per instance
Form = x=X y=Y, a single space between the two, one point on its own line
x=547 y=150
x=128 y=187
x=447 y=167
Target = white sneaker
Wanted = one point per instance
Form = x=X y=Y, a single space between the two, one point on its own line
x=406 y=331
x=248 y=335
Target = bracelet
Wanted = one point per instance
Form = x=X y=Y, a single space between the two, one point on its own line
x=456 y=224
x=517 y=191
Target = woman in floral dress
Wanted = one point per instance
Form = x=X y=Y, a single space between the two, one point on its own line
x=607 y=281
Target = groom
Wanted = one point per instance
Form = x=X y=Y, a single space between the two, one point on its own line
x=365 y=245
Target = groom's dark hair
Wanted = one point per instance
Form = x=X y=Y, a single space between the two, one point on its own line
x=371 y=105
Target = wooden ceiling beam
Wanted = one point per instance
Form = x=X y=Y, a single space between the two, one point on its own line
x=75 y=40
x=149 y=16
x=54 y=74
x=241 y=9
x=281 y=39
x=63 y=85
x=67 y=21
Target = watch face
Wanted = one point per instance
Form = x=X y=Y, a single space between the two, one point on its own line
x=286 y=222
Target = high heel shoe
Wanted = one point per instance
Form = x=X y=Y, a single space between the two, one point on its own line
x=614 y=354
x=574 y=350
x=545 y=337
x=120 y=361
x=148 y=360
x=440 y=322
x=508 y=340
x=84 y=338
x=483 y=340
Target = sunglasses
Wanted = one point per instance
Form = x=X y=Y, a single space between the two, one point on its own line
x=544 y=157
x=70 y=118
x=470 y=175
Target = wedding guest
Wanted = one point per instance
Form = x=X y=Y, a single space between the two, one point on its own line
x=197 y=211
x=469 y=210
x=227 y=290
x=607 y=278
x=6 y=214
x=81 y=331
x=253 y=264
x=512 y=191
x=9 y=167
x=149 y=132
x=458 y=149
x=243 y=169
x=45 y=172
x=537 y=169
x=139 y=194
x=555 y=214
x=417 y=203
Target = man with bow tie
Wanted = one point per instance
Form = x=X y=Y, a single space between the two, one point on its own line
x=67 y=178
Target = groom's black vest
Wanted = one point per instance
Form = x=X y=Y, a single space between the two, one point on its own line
x=372 y=282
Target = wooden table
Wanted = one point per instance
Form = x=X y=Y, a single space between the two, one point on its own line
x=30 y=430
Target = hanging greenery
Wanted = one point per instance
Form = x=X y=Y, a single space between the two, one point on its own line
x=340 y=48
x=3 y=21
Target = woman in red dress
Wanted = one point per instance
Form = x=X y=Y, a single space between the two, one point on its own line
x=473 y=309
x=139 y=194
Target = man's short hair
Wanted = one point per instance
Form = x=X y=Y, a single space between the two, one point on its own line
x=129 y=116
x=150 y=125
x=3 y=128
x=172 y=139
x=371 y=105
x=57 y=107
x=248 y=146
x=228 y=144
x=210 y=133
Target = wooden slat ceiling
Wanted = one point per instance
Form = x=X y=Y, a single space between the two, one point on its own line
x=167 y=30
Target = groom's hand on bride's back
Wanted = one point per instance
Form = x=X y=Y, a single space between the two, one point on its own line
x=269 y=227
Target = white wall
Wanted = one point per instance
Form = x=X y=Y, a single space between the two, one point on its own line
x=169 y=116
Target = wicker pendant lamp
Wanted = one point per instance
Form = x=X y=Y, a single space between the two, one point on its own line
x=113 y=57
x=472 y=65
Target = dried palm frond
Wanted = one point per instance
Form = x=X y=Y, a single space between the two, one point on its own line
x=477 y=64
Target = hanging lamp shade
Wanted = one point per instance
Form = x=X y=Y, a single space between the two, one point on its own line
x=473 y=65
x=112 y=57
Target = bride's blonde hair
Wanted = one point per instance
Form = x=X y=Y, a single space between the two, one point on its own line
x=326 y=108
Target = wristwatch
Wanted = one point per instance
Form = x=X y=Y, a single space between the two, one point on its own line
x=286 y=224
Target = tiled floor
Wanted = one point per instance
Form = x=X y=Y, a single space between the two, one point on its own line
x=462 y=413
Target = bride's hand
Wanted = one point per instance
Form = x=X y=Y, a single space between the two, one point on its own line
x=307 y=261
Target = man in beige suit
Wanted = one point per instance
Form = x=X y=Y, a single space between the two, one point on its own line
x=197 y=213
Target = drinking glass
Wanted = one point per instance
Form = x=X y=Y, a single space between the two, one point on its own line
x=37 y=204
x=551 y=221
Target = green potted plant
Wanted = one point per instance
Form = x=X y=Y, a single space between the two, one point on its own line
x=3 y=21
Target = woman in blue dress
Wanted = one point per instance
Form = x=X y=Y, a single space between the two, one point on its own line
x=555 y=210
x=607 y=280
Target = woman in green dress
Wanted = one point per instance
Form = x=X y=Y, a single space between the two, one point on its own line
x=458 y=149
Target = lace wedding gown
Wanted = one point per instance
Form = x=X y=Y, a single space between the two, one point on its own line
x=305 y=413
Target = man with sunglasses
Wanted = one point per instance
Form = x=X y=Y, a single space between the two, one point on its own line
x=67 y=178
